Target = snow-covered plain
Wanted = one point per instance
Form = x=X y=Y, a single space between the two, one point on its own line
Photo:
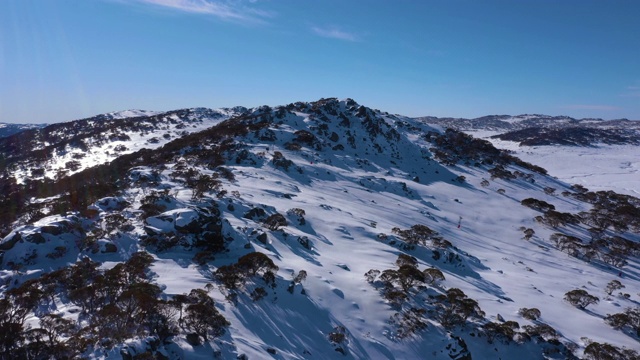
x=350 y=197
x=599 y=167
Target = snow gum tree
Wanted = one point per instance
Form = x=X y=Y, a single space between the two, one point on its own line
x=580 y=298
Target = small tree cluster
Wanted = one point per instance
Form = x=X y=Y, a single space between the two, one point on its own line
x=203 y=184
x=610 y=210
x=566 y=243
x=629 y=319
x=503 y=331
x=539 y=205
x=116 y=304
x=542 y=331
x=409 y=321
x=202 y=316
x=155 y=203
x=555 y=219
x=500 y=172
x=234 y=276
x=454 y=308
x=279 y=161
x=612 y=250
x=419 y=235
x=454 y=146
x=406 y=276
x=606 y=351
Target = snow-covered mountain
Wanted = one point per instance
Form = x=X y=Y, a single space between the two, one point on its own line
x=10 y=129
x=599 y=154
x=509 y=123
x=308 y=231
x=63 y=149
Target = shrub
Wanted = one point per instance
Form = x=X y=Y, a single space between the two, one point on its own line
x=530 y=313
x=203 y=257
x=279 y=161
x=371 y=275
x=338 y=335
x=258 y=293
x=302 y=276
x=299 y=214
x=536 y=204
x=528 y=233
x=275 y=221
x=57 y=253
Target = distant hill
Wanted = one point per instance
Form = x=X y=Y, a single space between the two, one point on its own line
x=10 y=129
x=534 y=130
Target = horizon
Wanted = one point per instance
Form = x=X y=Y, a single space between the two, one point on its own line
x=63 y=61
x=382 y=110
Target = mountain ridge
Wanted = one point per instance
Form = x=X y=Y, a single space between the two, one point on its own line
x=383 y=238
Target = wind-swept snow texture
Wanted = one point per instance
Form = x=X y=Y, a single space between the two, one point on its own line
x=349 y=182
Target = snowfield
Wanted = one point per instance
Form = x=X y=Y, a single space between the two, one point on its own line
x=600 y=167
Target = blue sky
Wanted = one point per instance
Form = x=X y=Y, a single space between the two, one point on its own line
x=68 y=59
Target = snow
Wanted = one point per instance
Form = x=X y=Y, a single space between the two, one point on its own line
x=131 y=113
x=601 y=167
x=101 y=151
x=348 y=203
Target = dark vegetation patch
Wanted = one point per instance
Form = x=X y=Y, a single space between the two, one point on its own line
x=573 y=136
x=455 y=147
x=115 y=304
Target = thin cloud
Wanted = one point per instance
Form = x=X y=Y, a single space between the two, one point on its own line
x=225 y=10
x=590 y=107
x=632 y=91
x=334 y=33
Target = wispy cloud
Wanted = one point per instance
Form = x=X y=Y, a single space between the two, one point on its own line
x=590 y=107
x=632 y=91
x=236 y=10
x=334 y=33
